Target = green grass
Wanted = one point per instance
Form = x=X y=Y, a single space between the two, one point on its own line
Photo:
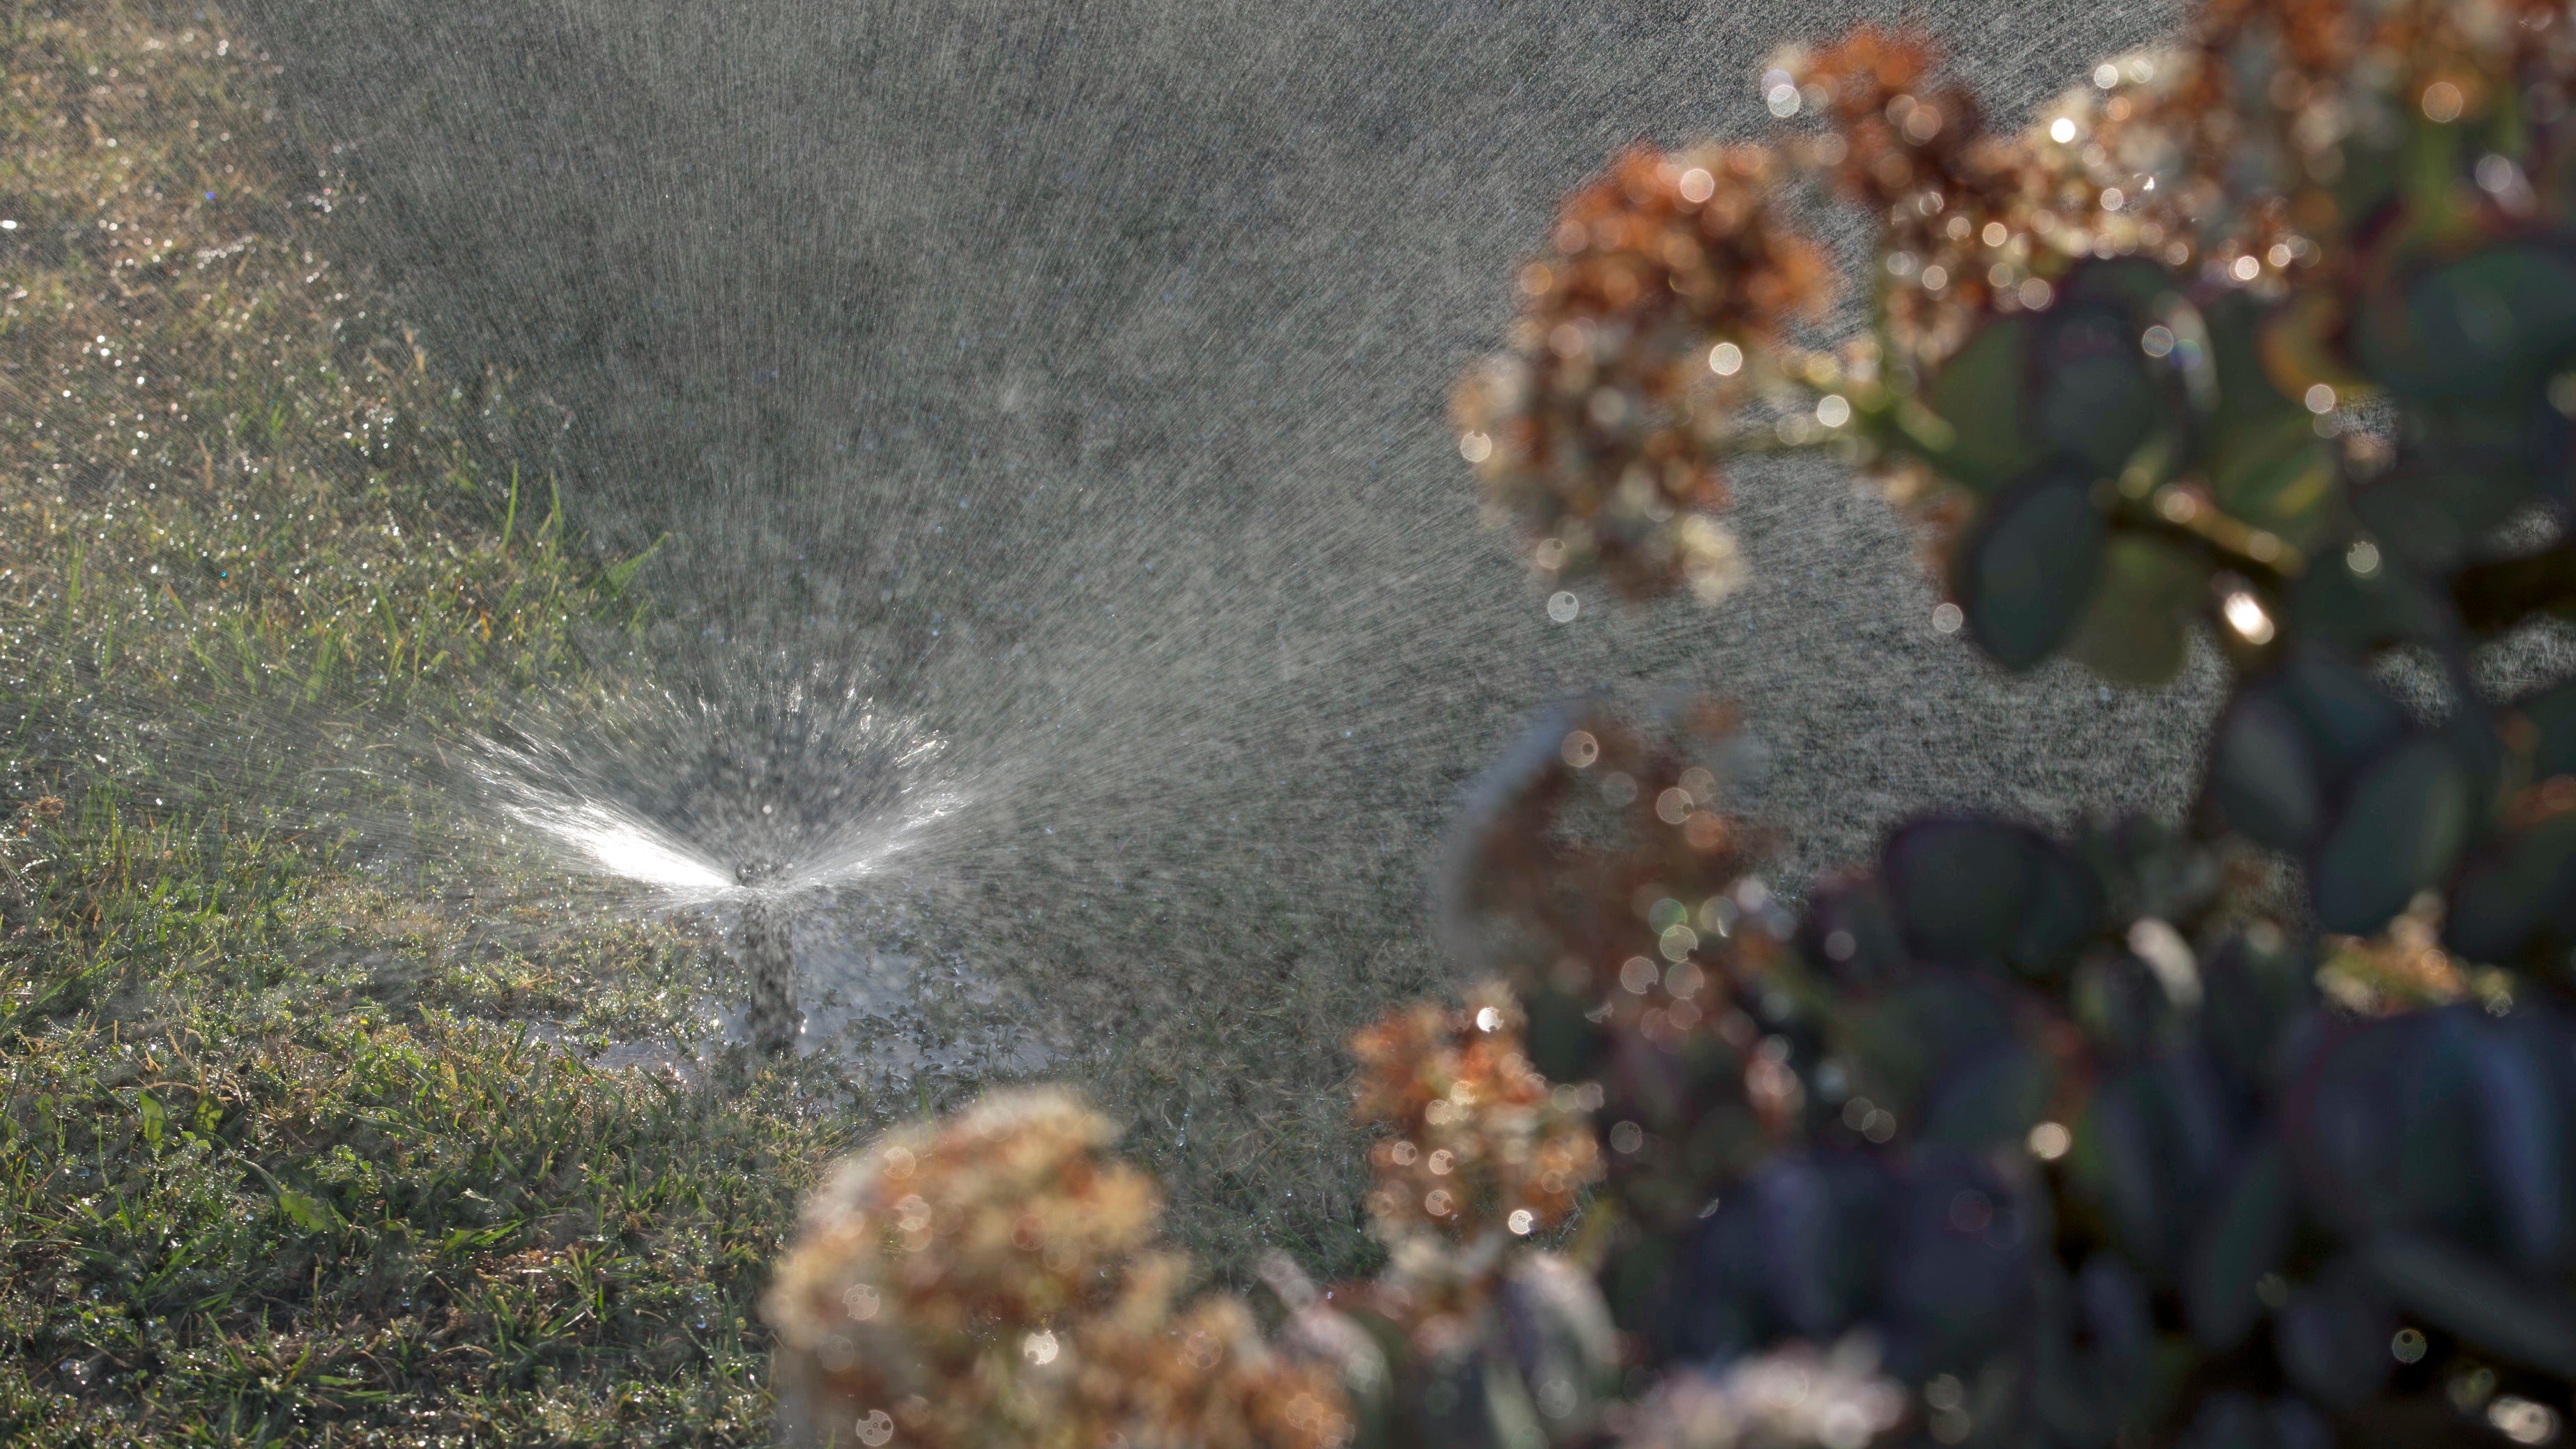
x=280 y=1159
x=300 y=1135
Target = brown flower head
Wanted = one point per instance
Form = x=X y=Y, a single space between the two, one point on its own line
x=988 y=1279
x=1201 y=1378
x=1599 y=841
x=2319 y=37
x=1601 y=431
x=1479 y=1146
x=2404 y=968
x=1914 y=151
x=2232 y=154
x=1597 y=858
x=1902 y=133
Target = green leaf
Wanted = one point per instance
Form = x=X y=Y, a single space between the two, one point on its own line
x=152 y=1115
x=1990 y=895
x=2507 y=904
x=2467 y=1294
x=2277 y=476
x=1992 y=1103
x=2520 y=1107
x=2132 y=284
x=2027 y=569
x=2117 y=1165
x=2265 y=463
x=2472 y=331
x=2292 y=741
x=2243 y=1238
x=621 y=575
x=2261 y=774
x=2332 y=1336
x=2553 y=713
x=2137 y=630
x=2097 y=403
x=2357 y=613
x=305 y=1211
x=2436 y=504
x=1905 y=1038
x=2402 y=829
x=1563 y=1043
x=1980 y=393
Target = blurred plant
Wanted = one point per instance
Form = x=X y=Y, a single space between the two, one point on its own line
x=1473 y=1334
x=1482 y=1147
x=2248 y=1129
x=1593 y=864
x=1668 y=277
x=991 y=1279
x=2268 y=336
x=1774 y=1401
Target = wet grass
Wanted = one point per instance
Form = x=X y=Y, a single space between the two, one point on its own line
x=279 y=1158
x=247 y=1200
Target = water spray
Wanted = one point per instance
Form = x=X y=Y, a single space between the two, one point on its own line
x=769 y=953
x=767 y=798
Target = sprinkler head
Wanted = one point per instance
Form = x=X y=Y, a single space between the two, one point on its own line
x=769 y=954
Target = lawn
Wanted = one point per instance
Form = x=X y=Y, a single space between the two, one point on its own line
x=284 y=1158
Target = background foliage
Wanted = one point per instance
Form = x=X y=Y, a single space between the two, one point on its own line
x=2246 y=1128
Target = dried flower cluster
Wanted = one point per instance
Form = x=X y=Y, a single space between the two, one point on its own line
x=2404 y=968
x=2263 y=149
x=1600 y=841
x=1199 y=1379
x=2238 y=139
x=1601 y=431
x=990 y=1279
x=1480 y=1146
x=1595 y=860
x=2224 y=156
x=1914 y=151
x=1790 y=1398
